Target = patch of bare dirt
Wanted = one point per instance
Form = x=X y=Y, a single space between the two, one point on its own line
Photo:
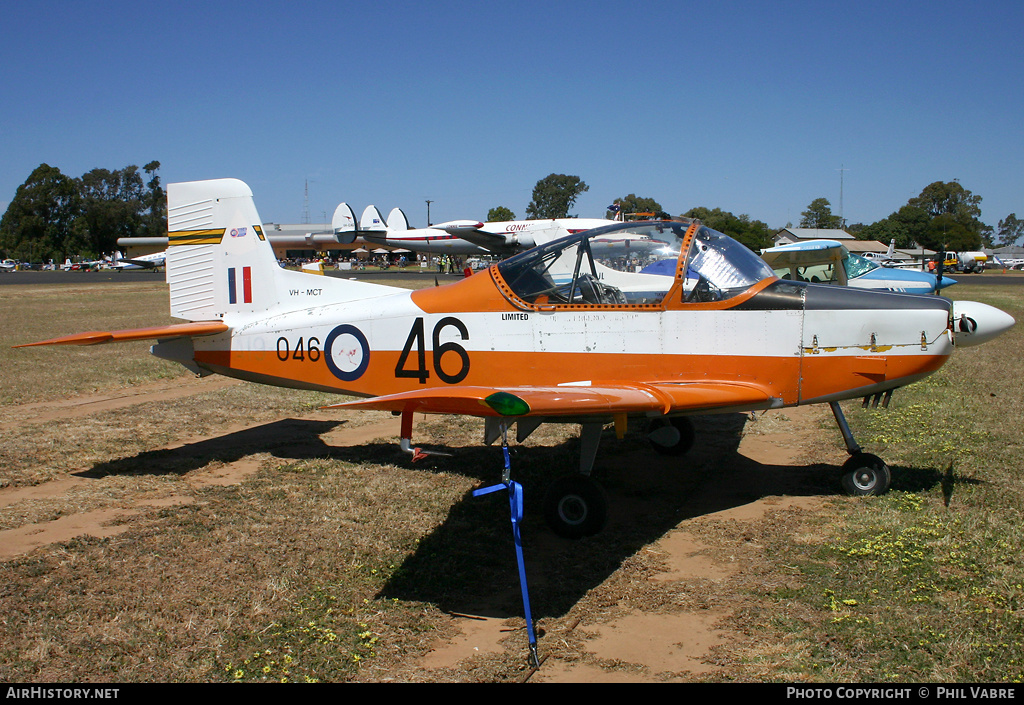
x=38 y=412
x=637 y=627
x=655 y=618
x=110 y=521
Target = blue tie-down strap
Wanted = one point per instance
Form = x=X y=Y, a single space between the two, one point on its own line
x=515 y=500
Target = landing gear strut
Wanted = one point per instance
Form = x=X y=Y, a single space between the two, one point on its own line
x=863 y=473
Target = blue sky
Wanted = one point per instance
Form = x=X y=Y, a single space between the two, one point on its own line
x=752 y=107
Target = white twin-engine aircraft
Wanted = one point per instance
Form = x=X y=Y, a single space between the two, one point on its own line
x=153 y=261
x=472 y=237
x=549 y=335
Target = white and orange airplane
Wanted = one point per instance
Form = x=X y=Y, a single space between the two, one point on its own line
x=549 y=335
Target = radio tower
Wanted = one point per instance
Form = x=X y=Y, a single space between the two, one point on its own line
x=842 y=221
x=305 y=204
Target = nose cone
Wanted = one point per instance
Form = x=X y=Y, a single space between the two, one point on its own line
x=975 y=323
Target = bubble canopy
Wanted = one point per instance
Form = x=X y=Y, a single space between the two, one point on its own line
x=634 y=264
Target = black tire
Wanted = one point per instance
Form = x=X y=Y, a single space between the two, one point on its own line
x=575 y=507
x=671 y=436
x=865 y=474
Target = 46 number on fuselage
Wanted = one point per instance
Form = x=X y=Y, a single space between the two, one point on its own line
x=417 y=340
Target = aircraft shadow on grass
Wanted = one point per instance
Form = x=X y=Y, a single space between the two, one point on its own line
x=467 y=563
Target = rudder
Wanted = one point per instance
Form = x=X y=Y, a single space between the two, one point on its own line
x=218 y=258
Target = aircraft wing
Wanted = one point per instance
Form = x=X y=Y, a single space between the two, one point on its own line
x=803 y=253
x=176 y=330
x=490 y=241
x=471 y=231
x=573 y=399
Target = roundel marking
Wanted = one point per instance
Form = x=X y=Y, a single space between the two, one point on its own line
x=347 y=353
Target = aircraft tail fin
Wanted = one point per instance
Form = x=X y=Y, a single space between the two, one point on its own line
x=344 y=224
x=216 y=250
x=397 y=222
x=892 y=248
x=372 y=220
x=219 y=261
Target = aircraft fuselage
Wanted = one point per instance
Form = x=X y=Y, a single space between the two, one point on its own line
x=805 y=343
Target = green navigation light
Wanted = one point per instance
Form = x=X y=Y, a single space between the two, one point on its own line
x=507 y=404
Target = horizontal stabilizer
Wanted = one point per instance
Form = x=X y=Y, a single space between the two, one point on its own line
x=372 y=220
x=120 y=336
x=397 y=222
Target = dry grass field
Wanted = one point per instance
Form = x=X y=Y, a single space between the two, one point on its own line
x=155 y=527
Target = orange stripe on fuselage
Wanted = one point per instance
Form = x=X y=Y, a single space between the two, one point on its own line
x=511 y=369
x=833 y=374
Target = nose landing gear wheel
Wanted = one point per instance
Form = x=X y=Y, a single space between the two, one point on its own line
x=575 y=507
x=865 y=474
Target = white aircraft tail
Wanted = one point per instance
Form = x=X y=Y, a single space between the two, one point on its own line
x=372 y=220
x=219 y=261
x=344 y=224
x=397 y=222
x=892 y=248
x=344 y=220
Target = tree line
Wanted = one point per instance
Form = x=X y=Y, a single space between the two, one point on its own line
x=944 y=215
x=54 y=216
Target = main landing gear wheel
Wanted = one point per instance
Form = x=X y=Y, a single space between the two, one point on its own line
x=576 y=506
x=671 y=436
x=865 y=474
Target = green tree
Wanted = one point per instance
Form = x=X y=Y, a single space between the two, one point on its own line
x=753 y=233
x=950 y=198
x=947 y=232
x=112 y=205
x=907 y=226
x=54 y=216
x=500 y=214
x=40 y=222
x=636 y=204
x=953 y=214
x=1010 y=230
x=155 y=219
x=819 y=215
x=554 y=195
